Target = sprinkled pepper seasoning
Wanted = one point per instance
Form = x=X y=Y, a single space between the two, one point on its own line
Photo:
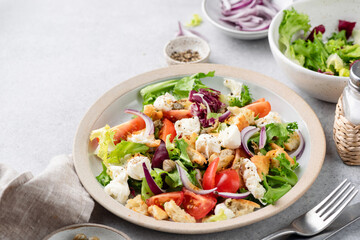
x=186 y=56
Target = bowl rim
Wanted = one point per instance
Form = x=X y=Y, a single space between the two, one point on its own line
x=276 y=51
x=82 y=164
x=202 y=42
x=227 y=29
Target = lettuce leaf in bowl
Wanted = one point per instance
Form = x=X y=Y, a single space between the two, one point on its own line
x=292 y=23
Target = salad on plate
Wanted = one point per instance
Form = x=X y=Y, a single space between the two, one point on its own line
x=194 y=154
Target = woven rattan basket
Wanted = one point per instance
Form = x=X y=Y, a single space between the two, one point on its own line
x=346 y=137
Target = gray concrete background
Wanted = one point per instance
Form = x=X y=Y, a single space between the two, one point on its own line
x=58 y=57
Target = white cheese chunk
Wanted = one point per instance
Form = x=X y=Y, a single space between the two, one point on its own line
x=222 y=207
x=164 y=102
x=135 y=169
x=118 y=188
x=252 y=178
x=272 y=117
x=207 y=144
x=234 y=86
x=187 y=126
x=230 y=137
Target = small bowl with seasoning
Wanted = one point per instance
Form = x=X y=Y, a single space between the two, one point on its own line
x=186 y=50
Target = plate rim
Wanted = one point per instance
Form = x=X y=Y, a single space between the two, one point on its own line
x=316 y=158
x=78 y=225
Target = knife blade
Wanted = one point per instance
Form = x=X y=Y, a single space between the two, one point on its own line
x=350 y=215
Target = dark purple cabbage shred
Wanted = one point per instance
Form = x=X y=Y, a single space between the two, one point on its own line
x=212 y=99
x=347 y=26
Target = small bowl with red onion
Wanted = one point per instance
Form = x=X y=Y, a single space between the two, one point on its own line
x=243 y=19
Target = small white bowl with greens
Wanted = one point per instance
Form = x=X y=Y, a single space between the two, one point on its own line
x=315 y=43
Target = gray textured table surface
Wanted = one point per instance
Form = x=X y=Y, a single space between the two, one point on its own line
x=58 y=57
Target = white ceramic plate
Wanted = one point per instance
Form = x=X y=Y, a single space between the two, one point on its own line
x=90 y=230
x=212 y=11
x=109 y=110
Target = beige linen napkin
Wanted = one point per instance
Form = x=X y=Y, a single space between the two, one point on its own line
x=32 y=207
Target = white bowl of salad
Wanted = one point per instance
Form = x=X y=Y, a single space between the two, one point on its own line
x=183 y=148
x=315 y=42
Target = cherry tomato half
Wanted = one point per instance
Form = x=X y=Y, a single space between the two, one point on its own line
x=162 y=198
x=227 y=181
x=197 y=205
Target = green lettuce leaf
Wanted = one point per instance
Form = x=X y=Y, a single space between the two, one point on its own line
x=339 y=36
x=123 y=148
x=284 y=173
x=103 y=178
x=172 y=179
x=174 y=152
x=195 y=21
x=277 y=133
x=311 y=54
x=106 y=141
x=135 y=184
x=244 y=99
x=180 y=88
x=151 y=92
x=184 y=157
x=186 y=84
x=292 y=23
x=190 y=174
x=145 y=190
x=279 y=180
x=274 y=193
x=218 y=217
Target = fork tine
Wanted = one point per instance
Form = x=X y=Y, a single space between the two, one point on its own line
x=317 y=207
x=345 y=198
x=335 y=198
x=341 y=208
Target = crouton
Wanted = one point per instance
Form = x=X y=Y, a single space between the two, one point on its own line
x=238 y=120
x=226 y=158
x=138 y=205
x=157 y=213
x=247 y=113
x=237 y=160
x=195 y=156
x=262 y=164
x=190 y=139
x=151 y=112
x=241 y=206
x=139 y=137
x=277 y=150
x=185 y=102
x=177 y=214
x=293 y=142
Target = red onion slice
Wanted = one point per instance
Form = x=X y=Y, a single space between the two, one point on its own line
x=233 y=195
x=238 y=13
x=300 y=150
x=262 y=139
x=152 y=184
x=246 y=134
x=224 y=116
x=188 y=185
x=148 y=122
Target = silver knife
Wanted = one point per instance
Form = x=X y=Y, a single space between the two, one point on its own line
x=350 y=215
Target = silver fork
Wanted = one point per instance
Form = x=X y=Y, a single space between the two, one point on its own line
x=322 y=215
